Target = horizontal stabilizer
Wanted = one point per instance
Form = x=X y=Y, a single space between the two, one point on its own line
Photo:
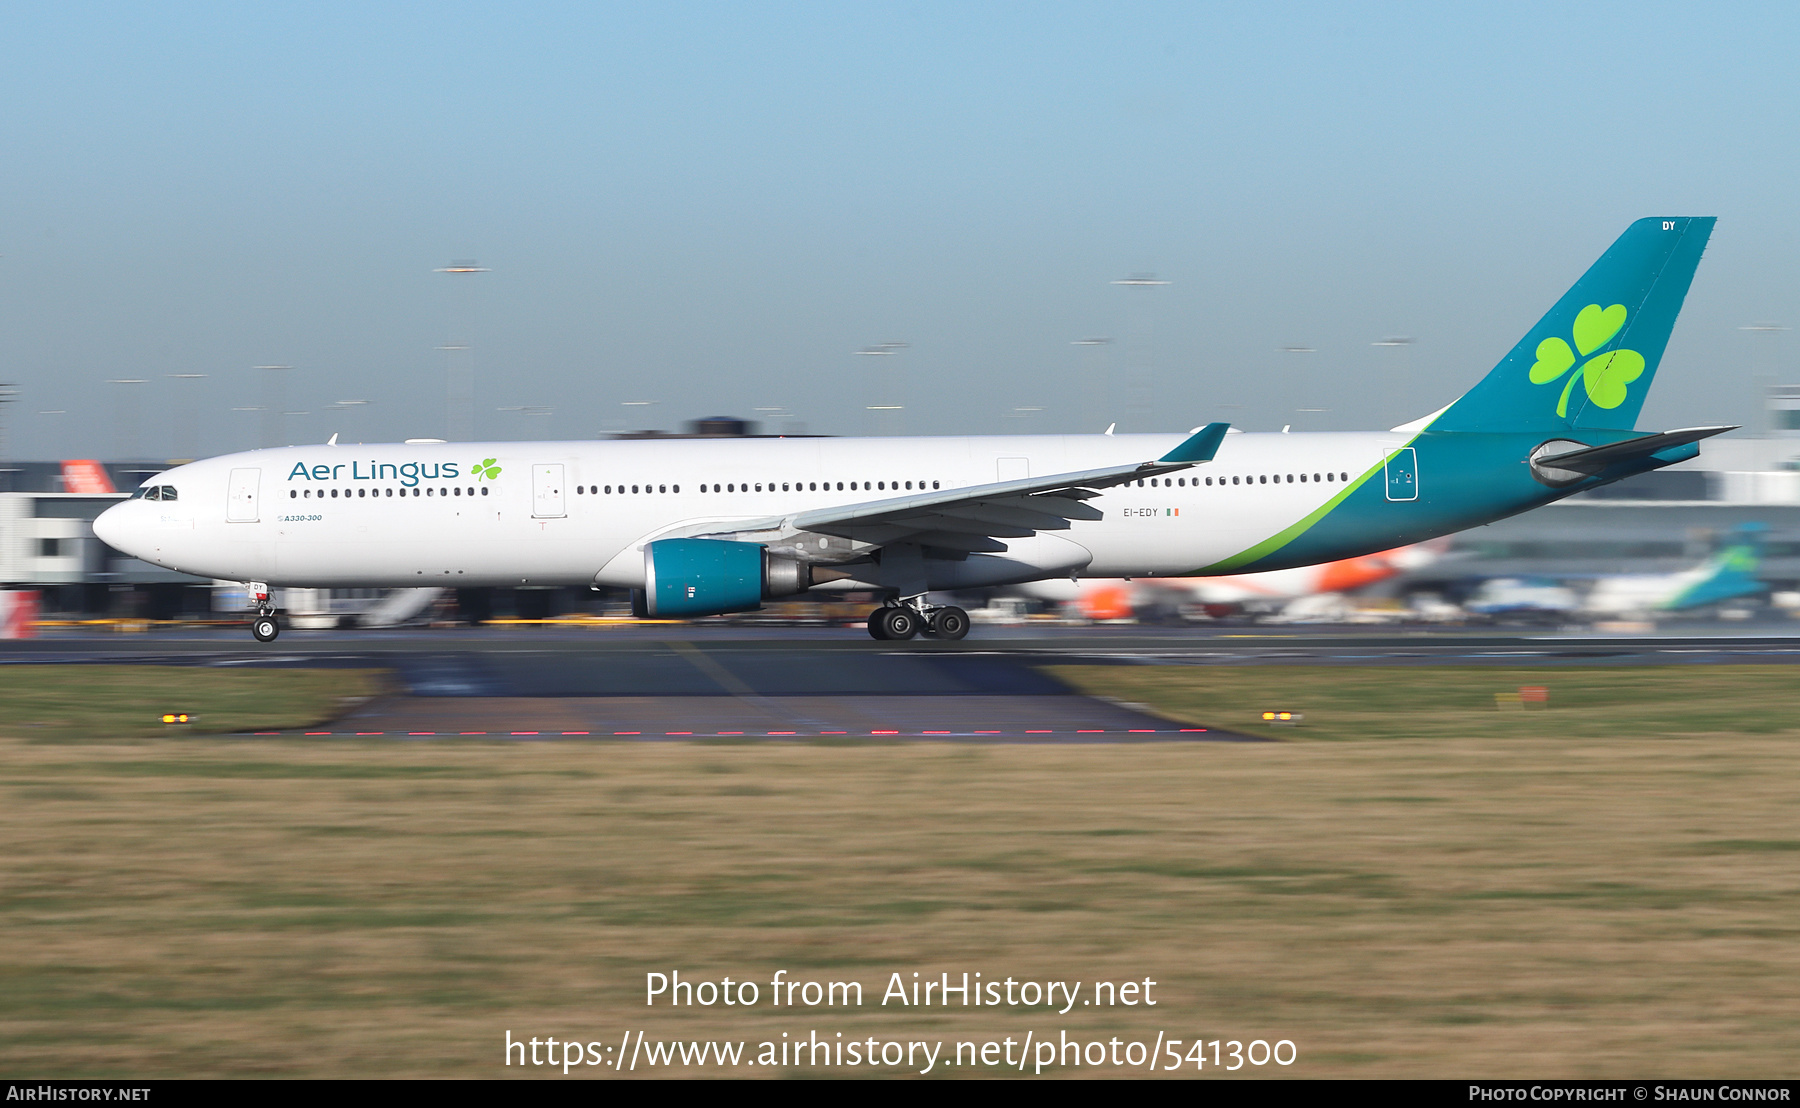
x=1596 y=458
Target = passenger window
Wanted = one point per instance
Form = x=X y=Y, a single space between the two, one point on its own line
x=812 y=486
x=934 y=484
x=1234 y=480
x=484 y=490
x=457 y=491
x=677 y=488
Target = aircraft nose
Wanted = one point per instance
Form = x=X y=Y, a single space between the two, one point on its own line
x=111 y=528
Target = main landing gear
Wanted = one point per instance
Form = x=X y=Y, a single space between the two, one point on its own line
x=898 y=622
x=265 y=626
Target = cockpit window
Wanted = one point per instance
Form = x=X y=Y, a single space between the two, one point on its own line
x=169 y=493
x=143 y=493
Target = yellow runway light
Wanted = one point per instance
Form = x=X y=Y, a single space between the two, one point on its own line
x=1283 y=717
x=176 y=717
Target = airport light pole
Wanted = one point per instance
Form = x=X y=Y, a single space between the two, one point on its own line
x=1764 y=370
x=352 y=423
x=126 y=414
x=885 y=412
x=1293 y=381
x=1140 y=385
x=274 y=390
x=9 y=393
x=459 y=372
x=1399 y=374
x=636 y=404
x=245 y=408
x=1099 y=372
x=186 y=413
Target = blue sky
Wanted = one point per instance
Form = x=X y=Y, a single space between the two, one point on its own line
x=711 y=207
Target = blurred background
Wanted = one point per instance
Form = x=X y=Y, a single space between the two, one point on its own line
x=565 y=220
x=227 y=229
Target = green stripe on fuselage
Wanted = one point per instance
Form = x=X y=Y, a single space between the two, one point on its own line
x=1465 y=479
x=1288 y=534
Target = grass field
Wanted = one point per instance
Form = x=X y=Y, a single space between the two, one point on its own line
x=1552 y=899
x=1457 y=702
x=79 y=702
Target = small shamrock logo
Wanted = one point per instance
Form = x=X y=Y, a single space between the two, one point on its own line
x=486 y=470
x=1605 y=375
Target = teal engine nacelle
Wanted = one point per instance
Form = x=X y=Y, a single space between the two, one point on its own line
x=707 y=577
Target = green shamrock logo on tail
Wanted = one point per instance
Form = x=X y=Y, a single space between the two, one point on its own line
x=486 y=470
x=1605 y=375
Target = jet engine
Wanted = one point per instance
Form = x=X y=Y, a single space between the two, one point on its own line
x=706 y=577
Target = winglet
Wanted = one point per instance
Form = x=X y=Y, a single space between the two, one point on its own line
x=1200 y=446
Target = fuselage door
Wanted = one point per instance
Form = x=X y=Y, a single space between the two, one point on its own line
x=1403 y=475
x=240 y=498
x=547 y=491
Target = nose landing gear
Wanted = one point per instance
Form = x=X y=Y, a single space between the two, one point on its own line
x=265 y=626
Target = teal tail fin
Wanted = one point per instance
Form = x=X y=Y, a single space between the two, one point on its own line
x=1590 y=360
x=1729 y=573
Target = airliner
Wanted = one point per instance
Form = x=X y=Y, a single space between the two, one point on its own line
x=1730 y=574
x=699 y=527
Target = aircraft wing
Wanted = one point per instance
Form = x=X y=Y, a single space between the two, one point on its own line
x=976 y=517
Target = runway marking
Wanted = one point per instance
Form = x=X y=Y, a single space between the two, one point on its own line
x=736 y=734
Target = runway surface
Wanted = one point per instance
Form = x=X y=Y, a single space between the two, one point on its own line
x=677 y=682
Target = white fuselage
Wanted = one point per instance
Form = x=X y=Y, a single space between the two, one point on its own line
x=579 y=513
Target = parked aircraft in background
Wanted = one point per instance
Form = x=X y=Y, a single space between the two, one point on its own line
x=1729 y=574
x=699 y=527
x=87 y=477
x=1102 y=600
